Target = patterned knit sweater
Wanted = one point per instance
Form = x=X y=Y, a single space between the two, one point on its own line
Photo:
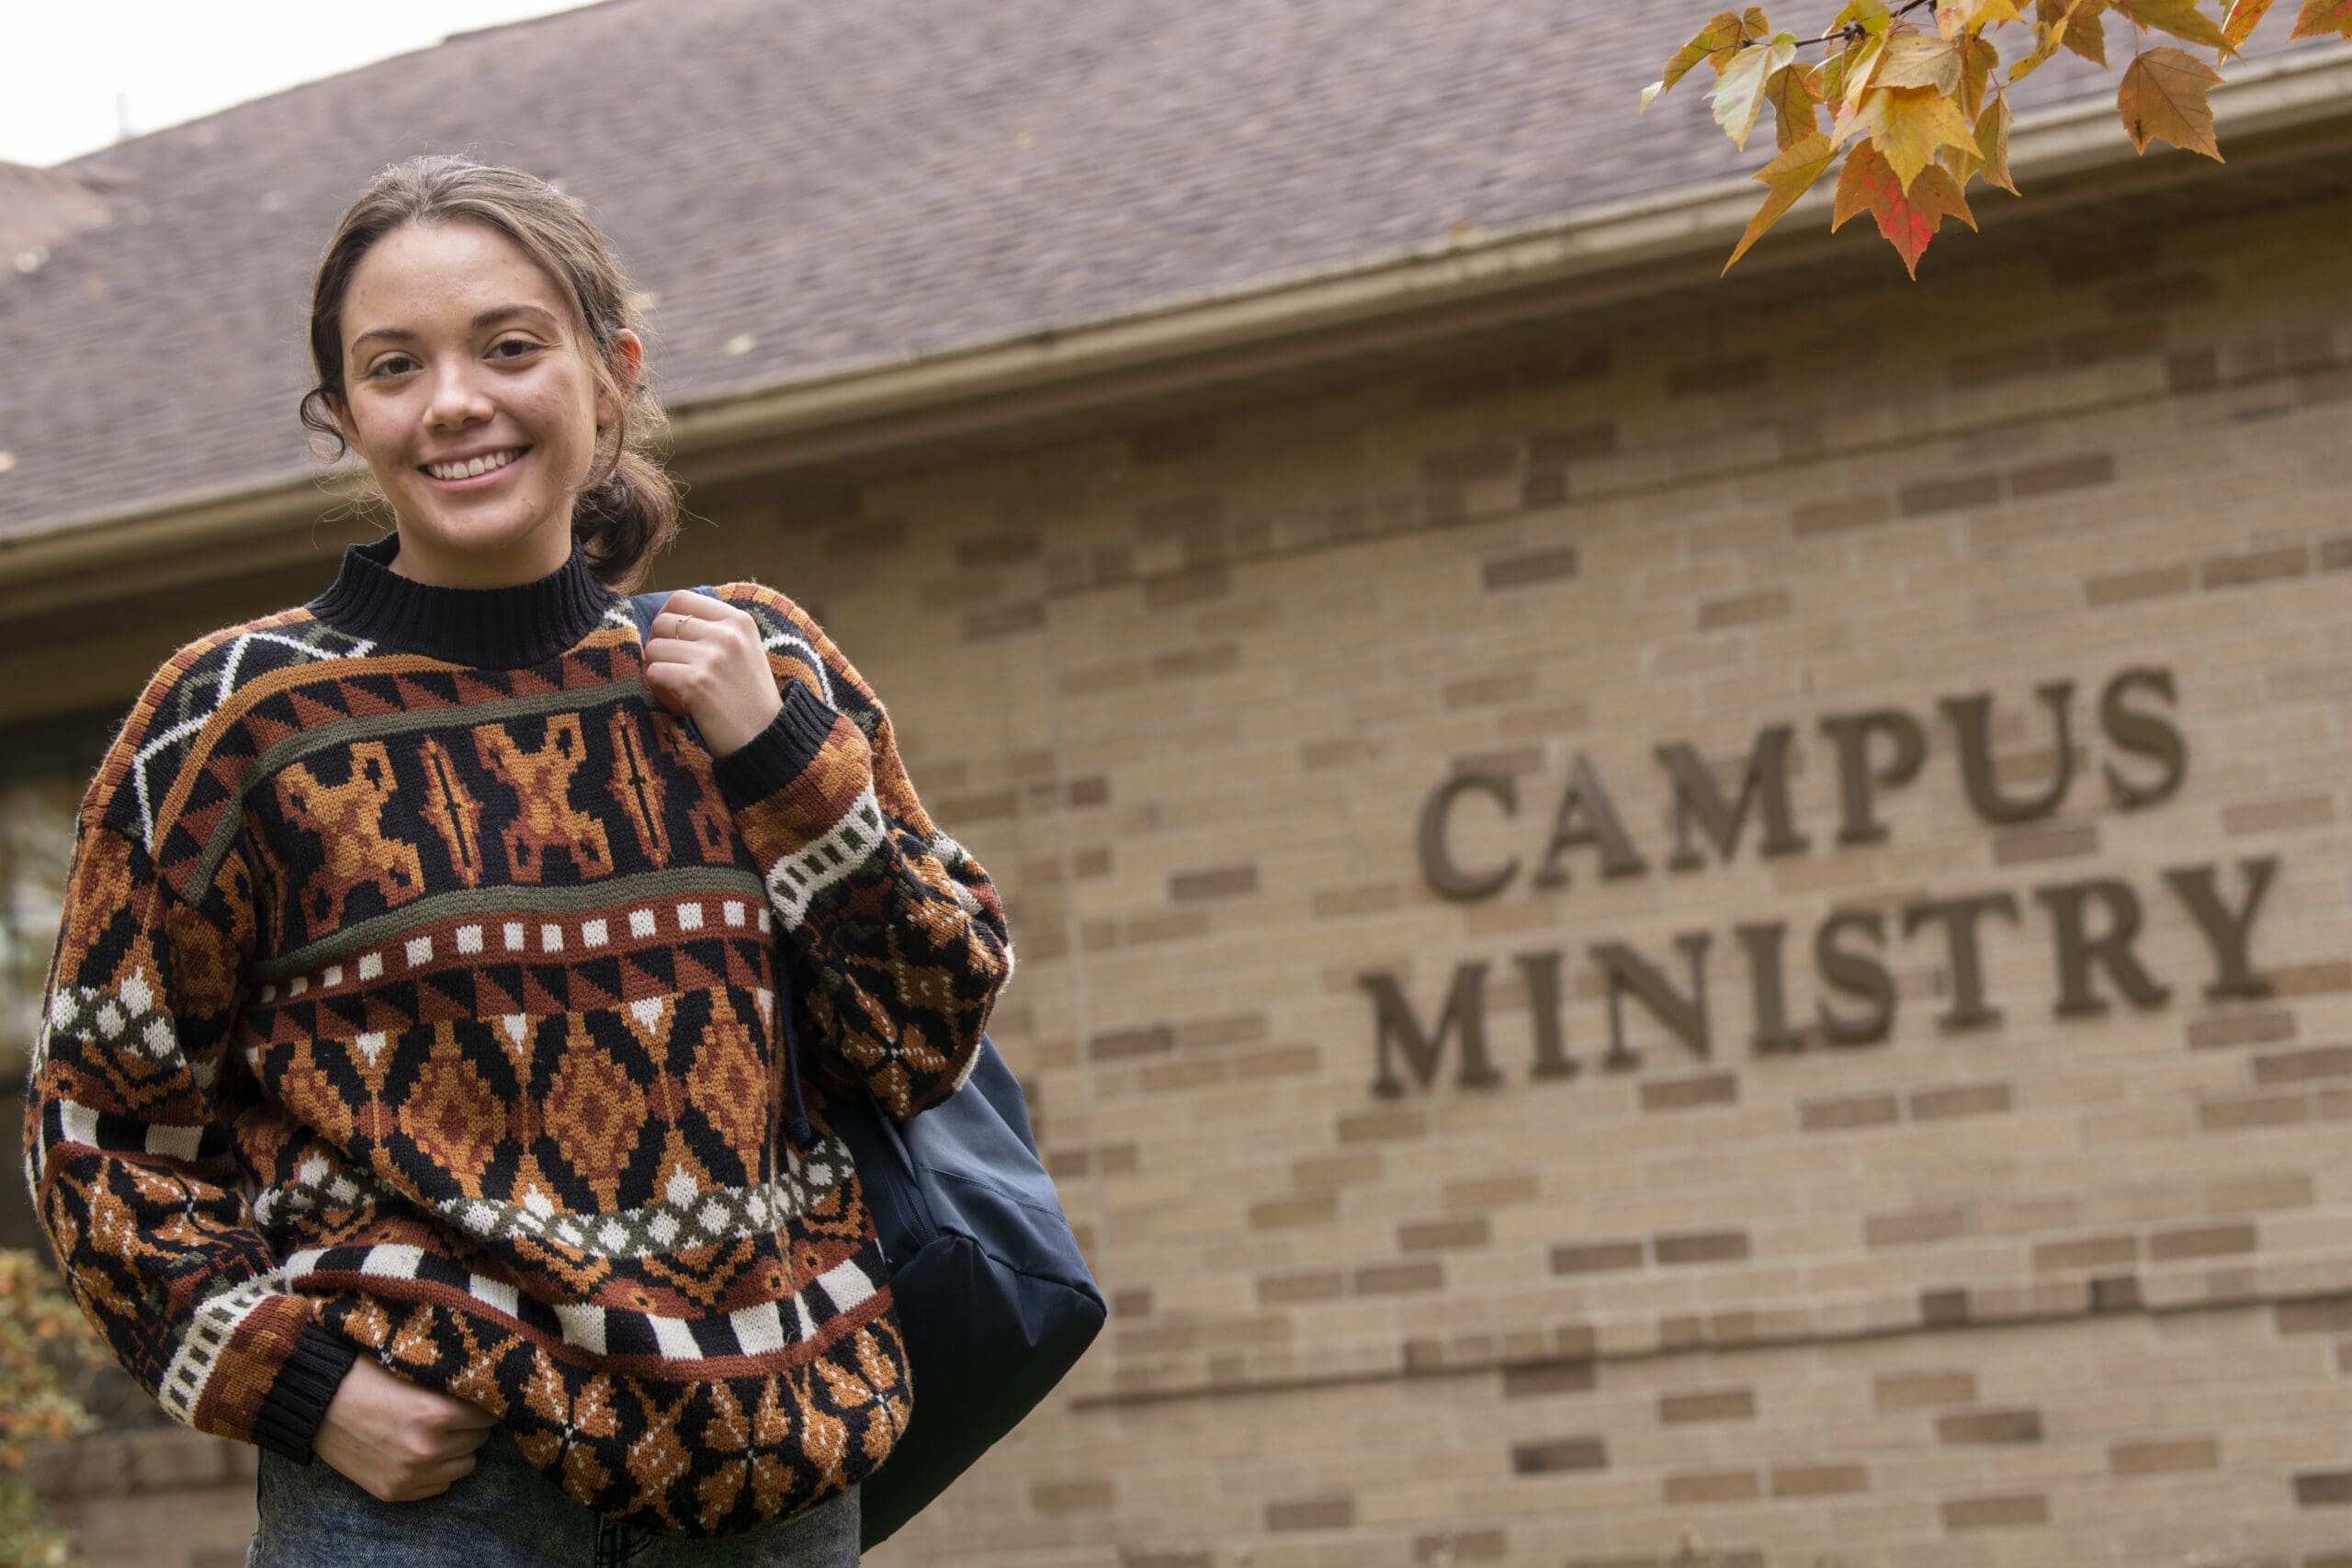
x=416 y=992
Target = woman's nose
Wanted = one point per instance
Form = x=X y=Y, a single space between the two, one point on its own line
x=457 y=400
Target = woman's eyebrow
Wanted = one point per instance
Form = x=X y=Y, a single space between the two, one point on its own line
x=491 y=317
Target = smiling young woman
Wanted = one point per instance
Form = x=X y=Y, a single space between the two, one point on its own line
x=411 y=1096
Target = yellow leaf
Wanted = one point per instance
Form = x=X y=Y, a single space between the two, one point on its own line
x=1870 y=16
x=2078 y=25
x=1786 y=177
x=1993 y=145
x=1718 y=36
x=1982 y=14
x=1908 y=124
x=1974 y=73
x=1915 y=58
x=1908 y=217
x=1738 y=93
x=2244 y=17
x=2320 y=17
x=2179 y=17
x=2163 y=99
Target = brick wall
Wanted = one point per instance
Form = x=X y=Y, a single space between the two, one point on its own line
x=2052 y=1290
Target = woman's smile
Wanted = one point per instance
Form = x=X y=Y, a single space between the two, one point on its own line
x=462 y=475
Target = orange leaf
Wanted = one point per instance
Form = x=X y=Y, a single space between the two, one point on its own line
x=1909 y=123
x=1908 y=219
x=2320 y=17
x=1717 y=37
x=2077 y=24
x=2244 y=17
x=2163 y=99
x=1786 y=177
x=1973 y=76
x=1915 y=58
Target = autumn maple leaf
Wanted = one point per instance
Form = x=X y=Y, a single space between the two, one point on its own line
x=1786 y=177
x=2163 y=99
x=1909 y=216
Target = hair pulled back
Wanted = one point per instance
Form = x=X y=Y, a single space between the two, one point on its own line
x=628 y=510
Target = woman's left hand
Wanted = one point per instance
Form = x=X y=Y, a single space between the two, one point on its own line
x=703 y=661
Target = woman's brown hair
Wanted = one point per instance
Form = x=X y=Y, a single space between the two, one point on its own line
x=627 y=511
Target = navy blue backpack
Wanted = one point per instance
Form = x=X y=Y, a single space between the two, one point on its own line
x=989 y=1289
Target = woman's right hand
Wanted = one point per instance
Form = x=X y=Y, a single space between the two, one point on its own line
x=394 y=1441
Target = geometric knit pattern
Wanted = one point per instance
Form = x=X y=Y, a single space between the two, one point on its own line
x=431 y=1010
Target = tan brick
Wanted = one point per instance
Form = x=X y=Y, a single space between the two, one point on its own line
x=2089 y=1252
x=2330 y=1314
x=1073 y=1495
x=1311 y=1514
x=1555 y=1377
x=1225 y=882
x=1846 y=511
x=2141 y=582
x=1392 y=1279
x=2063 y=474
x=2260 y=565
x=1592 y=1257
x=1321 y=1208
x=1556 y=1454
x=2252 y=1110
x=1856 y=1111
x=2045 y=843
x=1530 y=566
x=1960 y=1100
x=1913 y=1391
x=1744 y=610
x=1490 y=1191
x=1914 y=1226
x=2279 y=816
x=1279 y=1290
x=1453 y=1545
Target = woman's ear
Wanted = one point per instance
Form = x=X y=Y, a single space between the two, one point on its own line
x=341 y=414
x=627 y=363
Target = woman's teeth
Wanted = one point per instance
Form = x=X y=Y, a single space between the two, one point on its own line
x=476 y=466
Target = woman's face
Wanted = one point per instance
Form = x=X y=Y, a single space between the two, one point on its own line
x=457 y=347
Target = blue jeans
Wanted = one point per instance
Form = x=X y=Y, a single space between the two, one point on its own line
x=504 y=1513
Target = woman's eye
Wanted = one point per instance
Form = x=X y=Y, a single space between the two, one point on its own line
x=388 y=366
x=525 y=345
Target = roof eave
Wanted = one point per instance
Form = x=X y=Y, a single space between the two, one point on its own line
x=877 y=405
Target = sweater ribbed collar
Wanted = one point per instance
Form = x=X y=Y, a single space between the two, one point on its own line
x=489 y=629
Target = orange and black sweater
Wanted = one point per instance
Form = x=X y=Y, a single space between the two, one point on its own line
x=417 y=993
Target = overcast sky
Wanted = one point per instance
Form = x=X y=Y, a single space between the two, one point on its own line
x=63 y=62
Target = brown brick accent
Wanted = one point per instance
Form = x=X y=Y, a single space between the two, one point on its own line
x=2295 y=1066
x=1320 y=1209
x=1187 y=588
x=1311 y=1514
x=997 y=550
x=1818 y=1480
x=1394 y=1279
x=1379 y=1126
x=1975 y=369
x=1558 y=1454
x=1995 y=1513
x=1216 y=658
x=1928 y=497
x=1858 y=1110
x=1225 y=882
x=2206 y=1241
x=1119 y=1044
x=1312 y=1171
x=2323 y=1488
x=2163 y=1457
x=1677 y=1094
x=1593 y=1257
x=1074 y=1496
x=1552 y=1378
x=1960 y=1100
x=1004 y=620
x=1701 y=1247
x=2330 y=1314
x=2143 y=582
x=1711 y=1405
x=2274 y=816
x=2252 y=1110
x=1473 y=1230
x=1913 y=1391
x=1744 y=610
x=1175 y=438
x=1456 y=1546
x=1715 y=1486
x=2117 y=1292
x=2064 y=474
x=1943 y=1309
x=1279 y=1290
x=1576 y=444
x=2259 y=566
x=2241 y=1029
x=1719 y=375
x=1990 y=1426
x=1846 y=512
x=1530 y=566
x=2045 y=843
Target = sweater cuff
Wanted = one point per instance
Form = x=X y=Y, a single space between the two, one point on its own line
x=298 y=1401
x=775 y=757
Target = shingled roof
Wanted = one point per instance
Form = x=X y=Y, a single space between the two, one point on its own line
x=806 y=185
